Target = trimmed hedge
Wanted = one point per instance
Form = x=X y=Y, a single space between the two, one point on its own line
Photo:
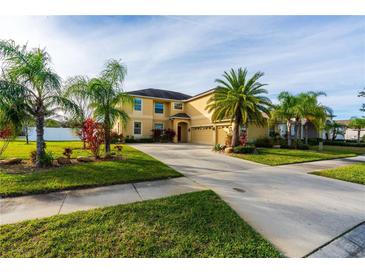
x=142 y=140
x=344 y=143
x=248 y=149
x=264 y=142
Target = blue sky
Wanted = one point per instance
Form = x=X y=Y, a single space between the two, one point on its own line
x=187 y=53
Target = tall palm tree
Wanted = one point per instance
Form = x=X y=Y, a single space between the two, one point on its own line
x=27 y=74
x=285 y=111
x=105 y=94
x=239 y=99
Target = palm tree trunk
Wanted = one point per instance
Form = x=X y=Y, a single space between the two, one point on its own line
x=26 y=135
x=40 y=140
x=107 y=134
x=306 y=133
x=358 y=135
x=288 y=130
x=236 y=134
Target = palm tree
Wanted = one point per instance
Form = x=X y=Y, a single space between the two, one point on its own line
x=285 y=111
x=76 y=89
x=306 y=109
x=357 y=124
x=27 y=75
x=239 y=99
x=105 y=95
x=333 y=128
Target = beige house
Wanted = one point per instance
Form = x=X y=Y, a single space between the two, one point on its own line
x=185 y=114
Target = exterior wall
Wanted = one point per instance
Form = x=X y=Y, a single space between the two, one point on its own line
x=147 y=117
x=221 y=134
x=200 y=128
x=351 y=134
x=196 y=110
x=254 y=132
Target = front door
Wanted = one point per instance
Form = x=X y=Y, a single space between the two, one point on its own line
x=179 y=133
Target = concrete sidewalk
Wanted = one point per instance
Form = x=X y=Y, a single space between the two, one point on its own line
x=17 y=209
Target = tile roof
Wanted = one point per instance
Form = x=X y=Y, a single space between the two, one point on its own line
x=180 y=115
x=160 y=93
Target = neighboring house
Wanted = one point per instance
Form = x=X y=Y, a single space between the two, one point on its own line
x=350 y=134
x=185 y=114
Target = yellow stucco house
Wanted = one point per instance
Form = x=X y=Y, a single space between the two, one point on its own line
x=185 y=114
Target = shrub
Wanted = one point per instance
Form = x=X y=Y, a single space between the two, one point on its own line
x=156 y=134
x=248 y=149
x=33 y=156
x=264 y=142
x=94 y=136
x=219 y=147
x=313 y=141
x=303 y=147
x=168 y=134
x=116 y=138
x=346 y=143
x=6 y=134
x=163 y=135
x=131 y=140
x=46 y=160
x=67 y=152
x=243 y=138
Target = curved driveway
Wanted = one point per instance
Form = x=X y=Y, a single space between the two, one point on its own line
x=296 y=211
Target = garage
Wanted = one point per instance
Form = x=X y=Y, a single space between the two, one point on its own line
x=202 y=135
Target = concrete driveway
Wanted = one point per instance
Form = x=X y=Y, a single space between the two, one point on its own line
x=296 y=211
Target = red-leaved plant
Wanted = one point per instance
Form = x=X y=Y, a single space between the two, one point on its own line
x=6 y=134
x=243 y=138
x=93 y=133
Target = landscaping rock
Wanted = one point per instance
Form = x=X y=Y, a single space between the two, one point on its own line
x=63 y=161
x=11 y=161
x=84 y=159
x=55 y=163
x=228 y=150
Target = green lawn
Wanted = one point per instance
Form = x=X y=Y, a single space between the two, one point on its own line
x=352 y=173
x=137 y=167
x=19 y=149
x=197 y=224
x=278 y=156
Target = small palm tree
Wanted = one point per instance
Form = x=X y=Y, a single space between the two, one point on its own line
x=105 y=95
x=30 y=84
x=240 y=100
x=306 y=110
x=357 y=124
x=284 y=111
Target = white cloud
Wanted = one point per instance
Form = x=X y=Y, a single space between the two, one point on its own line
x=187 y=53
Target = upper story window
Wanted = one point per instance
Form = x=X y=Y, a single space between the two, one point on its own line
x=159 y=108
x=178 y=106
x=137 y=104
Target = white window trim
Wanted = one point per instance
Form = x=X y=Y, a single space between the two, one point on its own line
x=136 y=121
x=141 y=105
x=182 y=105
x=163 y=126
x=163 y=109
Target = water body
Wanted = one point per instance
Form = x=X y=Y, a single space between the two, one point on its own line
x=54 y=134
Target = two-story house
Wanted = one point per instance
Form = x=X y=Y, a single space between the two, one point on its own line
x=185 y=114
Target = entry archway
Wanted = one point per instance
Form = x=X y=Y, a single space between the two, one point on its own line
x=182 y=132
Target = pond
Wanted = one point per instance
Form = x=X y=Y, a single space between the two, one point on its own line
x=54 y=134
